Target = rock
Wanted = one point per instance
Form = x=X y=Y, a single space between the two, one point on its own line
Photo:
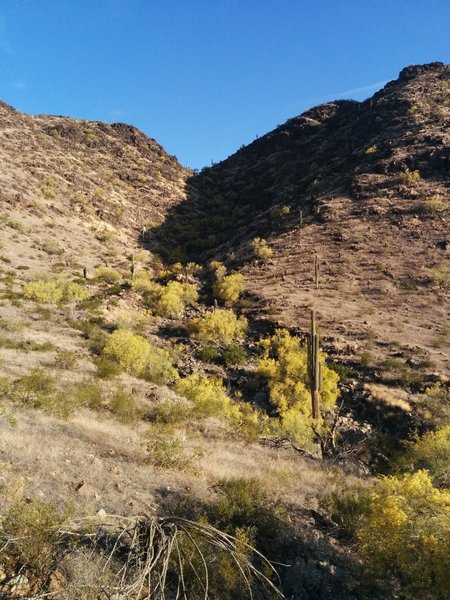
x=101 y=514
x=84 y=489
x=57 y=582
x=17 y=587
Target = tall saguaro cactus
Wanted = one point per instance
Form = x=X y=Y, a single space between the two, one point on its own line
x=316 y=271
x=314 y=368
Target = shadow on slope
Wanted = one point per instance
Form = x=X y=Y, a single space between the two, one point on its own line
x=290 y=173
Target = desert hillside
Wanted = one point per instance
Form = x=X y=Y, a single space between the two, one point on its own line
x=364 y=186
x=158 y=372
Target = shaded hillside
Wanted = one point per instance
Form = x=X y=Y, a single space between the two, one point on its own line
x=342 y=148
x=379 y=228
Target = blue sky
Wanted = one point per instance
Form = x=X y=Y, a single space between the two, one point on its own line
x=204 y=77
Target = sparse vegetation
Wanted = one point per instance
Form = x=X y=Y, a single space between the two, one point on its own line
x=261 y=249
x=433 y=205
x=410 y=178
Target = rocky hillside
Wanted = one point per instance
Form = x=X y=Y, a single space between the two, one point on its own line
x=366 y=187
x=89 y=182
x=148 y=402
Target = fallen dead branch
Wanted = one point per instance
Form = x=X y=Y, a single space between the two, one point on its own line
x=162 y=558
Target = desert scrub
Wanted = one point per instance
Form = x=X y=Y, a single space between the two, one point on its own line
x=142 y=282
x=401 y=526
x=125 y=406
x=134 y=321
x=221 y=325
x=409 y=178
x=130 y=351
x=34 y=389
x=66 y=359
x=243 y=505
x=371 y=150
x=28 y=538
x=134 y=354
x=208 y=396
x=284 y=365
x=53 y=291
x=261 y=249
x=229 y=289
x=430 y=452
x=108 y=275
x=166 y=446
x=433 y=205
x=159 y=368
x=171 y=300
x=441 y=276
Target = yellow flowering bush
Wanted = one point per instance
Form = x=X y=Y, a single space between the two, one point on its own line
x=221 y=325
x=285 y=365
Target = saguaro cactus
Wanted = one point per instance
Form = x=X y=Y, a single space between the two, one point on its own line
x=316 y=271
x=314 y=368
x=132 y=266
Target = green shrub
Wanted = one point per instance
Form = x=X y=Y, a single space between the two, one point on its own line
x=142 y=283
x=278 y=212
x=51 y=246
x=441 y=276
x=167 y=449
x=124 y=406
x=410 y=178
x=229 y=288
x=244 y=504
x=106 y=368
x=134 y=321
x=261 y=249
x=371 y=150
x=171 y=410
x=436 y=404
x=28 y=538
x=234 y=354
x=159 y=368
x=221 y=325
x=95 y=334
x=134 y=355
x=108 y=275
x=401 y=527
x=87 y=393
x=66 y=359
x=35 y=388
x=348 y=506
x=52 y=291
x=219 y=270
x=129 y=350
x=209 y=353
x=433 y=205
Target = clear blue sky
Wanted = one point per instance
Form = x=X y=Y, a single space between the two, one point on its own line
x=204 y=77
